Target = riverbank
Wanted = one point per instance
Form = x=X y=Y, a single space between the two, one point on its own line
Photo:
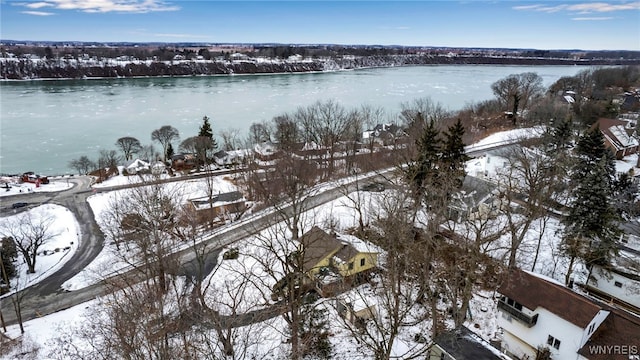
x=34 y=69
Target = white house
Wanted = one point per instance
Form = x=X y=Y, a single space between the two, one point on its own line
x=621 y=281
x=356 y=307
x=135 y=166
x=541 y=317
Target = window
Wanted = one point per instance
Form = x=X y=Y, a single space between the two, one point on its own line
x=350 y=266
x=617 y=284
x=361 y=262
x=551 y=341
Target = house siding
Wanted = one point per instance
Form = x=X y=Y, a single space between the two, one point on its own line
x=371 y=259
x=605 y=282
x=518 y=339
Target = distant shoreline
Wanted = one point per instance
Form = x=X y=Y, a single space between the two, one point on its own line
x=12 y=69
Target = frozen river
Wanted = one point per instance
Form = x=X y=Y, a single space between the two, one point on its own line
x=47 y=123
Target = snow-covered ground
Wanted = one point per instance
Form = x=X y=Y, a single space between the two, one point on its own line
x=65 y=234
x=230 y=273
x=13 y=186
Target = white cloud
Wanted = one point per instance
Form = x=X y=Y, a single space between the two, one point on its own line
x=104 y=6
x=592 y=18
x=37 y=13
x=37 y=5
x=582 y=8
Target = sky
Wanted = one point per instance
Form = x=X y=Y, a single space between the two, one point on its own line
x=557 y=24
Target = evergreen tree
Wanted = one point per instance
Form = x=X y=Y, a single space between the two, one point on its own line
x=169 y=154
x=453 y=153
x=424 y=170
x=561 y=135
x=205 y=128
x=314 y=334
x=625 y=200
x=590 y=230
x=207 y=134
x=8 y=255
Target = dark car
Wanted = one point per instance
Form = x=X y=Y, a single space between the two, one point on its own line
x=374 y=187
x=19 y=205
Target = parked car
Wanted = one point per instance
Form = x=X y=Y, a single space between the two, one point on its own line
x=19 y=205
x=374 y=187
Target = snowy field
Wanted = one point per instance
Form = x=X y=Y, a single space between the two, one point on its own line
x=64 y=229
x=230 y=274
x=13 y=186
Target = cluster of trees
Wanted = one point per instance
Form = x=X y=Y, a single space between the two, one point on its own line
x=201 y=145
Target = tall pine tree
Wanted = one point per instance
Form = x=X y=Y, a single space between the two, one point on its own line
x=591 y=230
x=204 y=142
x=454 y=156
x=205 y=128
x=423 y=172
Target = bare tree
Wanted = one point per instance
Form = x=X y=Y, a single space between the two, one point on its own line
x=107 y=164
x=259 y=132
x=83 y=165
x=324 y=123
x=201 y=146
x=30 y=233
x=284 y=263
x=516 y=91
x=526 y=187
x=165 y=135
x=472 y=237
x=285 y=187
x=287 y=133
x=129 y=146
x=149 y=153
x=419 y=113
x=229 y=139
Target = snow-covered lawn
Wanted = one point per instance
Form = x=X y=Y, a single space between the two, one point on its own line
x=13 y=186
x=55 y=252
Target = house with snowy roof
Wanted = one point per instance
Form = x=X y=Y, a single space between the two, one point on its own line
x=266 y=151
x=462 y=344
x=618 y=136
x=135 y=166
x=476 y=199
x=542 y=319
x=619 y=282
x=335 y=256
x=226 y=158
x=356 y=306
x=383 y=135
x=207 y=208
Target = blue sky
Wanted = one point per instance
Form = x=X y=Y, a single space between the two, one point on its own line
x=557 y=24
